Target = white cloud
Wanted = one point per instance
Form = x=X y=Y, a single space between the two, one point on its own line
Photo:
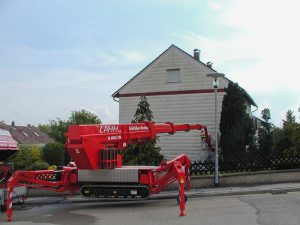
x=107 y=113
x=214 y=5
x=268 y=32
x=218 y=50
x=50 y=84
x=130 y=56
x=263 y=54
x=38 y=96
x=47 y=79
x=21 y=55
x=111 y=58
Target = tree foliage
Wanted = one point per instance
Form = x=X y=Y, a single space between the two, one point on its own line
x=45 y=128
x=54 y=153
x=83 y=117
x=58 y=127
x=287 y=138
x=265 y=135
x=146 y=153
x=289 y=118
x=29 y=158
x=235 y=126
x=143 y=111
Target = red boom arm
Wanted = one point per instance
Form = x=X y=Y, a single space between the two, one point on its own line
x=97 y=146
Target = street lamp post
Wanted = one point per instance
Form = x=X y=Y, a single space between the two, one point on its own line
x=215 y=77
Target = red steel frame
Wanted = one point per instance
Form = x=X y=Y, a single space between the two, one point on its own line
x=85 y=142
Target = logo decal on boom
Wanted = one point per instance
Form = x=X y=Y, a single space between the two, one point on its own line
x=138 y=128
x=109 y=129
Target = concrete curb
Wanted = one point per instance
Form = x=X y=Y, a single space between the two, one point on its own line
x=229 y=192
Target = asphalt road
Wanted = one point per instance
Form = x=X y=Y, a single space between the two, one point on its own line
x=262 y=209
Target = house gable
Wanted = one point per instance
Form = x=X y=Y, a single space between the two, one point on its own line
x=153 y=78
x=187 y=97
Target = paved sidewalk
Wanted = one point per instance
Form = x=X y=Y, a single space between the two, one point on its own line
x=228 y=191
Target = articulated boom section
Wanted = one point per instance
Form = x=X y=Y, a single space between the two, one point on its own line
x=96 y=151
x=160 y=178
x=98 y=146
x=58 y=181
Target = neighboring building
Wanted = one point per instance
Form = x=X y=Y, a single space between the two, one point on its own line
x=29 y=134
x=8 y=145
x=178 y=91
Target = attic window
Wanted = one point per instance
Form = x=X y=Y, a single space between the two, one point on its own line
x=173 y=76
x=36 y=134
x=25 y=134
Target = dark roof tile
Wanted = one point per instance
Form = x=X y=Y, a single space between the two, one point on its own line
x=27 y=134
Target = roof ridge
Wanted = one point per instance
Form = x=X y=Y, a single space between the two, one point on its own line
x=116 y=93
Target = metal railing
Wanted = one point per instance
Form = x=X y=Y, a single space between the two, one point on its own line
x=252 y=165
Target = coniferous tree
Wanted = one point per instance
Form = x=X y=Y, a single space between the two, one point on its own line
x=235 y=125
x=265 y=135
x=289 y=118
x=143 y=111
x=145 y=153
x=287 y=138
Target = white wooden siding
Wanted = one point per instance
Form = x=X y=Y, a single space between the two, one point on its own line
x=188 y=108
x=180 y=108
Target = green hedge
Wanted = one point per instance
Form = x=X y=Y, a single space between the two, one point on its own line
x=29 y=157
x=54 y=153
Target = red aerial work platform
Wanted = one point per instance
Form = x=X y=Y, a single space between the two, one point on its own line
x=97 y=171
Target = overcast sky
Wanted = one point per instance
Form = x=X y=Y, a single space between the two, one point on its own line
x=58 y=56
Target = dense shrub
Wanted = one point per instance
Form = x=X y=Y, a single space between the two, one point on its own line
x=235 y=125
x=38 y=165
x=142 y=154
x=28 y=158
x=52 y=167
x=53 y=153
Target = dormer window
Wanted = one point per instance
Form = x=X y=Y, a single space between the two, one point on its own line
x=173 y=76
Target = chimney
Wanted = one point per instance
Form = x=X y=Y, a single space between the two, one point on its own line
x=197 y=54
x=209 y=64
x=13 y=123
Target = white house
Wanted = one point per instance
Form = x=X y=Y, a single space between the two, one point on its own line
x=178 y=91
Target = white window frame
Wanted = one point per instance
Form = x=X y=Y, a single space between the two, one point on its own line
x=173 y=75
